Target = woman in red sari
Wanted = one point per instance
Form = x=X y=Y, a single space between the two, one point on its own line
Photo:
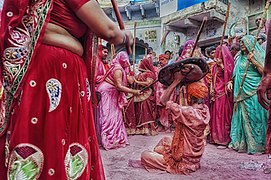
x=146 y=109
x=49 y=130
x=221 y=98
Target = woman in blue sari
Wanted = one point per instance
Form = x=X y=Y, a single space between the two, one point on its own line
x=249 y=121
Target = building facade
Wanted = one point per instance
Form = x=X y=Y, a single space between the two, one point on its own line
x=155 y=17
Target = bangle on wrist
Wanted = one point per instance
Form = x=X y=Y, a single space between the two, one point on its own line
x=125 y=39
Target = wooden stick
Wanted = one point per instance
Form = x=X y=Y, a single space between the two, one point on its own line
x=121 y=24
x=198 y=35
x=164 y=37
x=93 y=68
x=134 y=47
x=112 y=51
x=213 y=83
x=224 y=28
x=252 y=51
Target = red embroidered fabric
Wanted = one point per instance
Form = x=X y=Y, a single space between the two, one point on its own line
x=63 y=14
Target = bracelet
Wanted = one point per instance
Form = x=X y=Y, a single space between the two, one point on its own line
x=125 y=39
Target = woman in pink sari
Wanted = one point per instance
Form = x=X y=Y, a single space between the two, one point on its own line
x=146 y=109
x=187 y=50
x=113 y=98
x=222 y=100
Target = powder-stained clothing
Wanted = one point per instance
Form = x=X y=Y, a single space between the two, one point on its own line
x=182 y=153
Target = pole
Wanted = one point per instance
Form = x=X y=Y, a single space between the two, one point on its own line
x=134 y=47
x=198 y=35
x=121 y=24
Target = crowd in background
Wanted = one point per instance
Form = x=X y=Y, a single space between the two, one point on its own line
x=237 y=120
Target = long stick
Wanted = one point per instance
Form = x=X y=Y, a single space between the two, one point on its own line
x=198 y=35
x=121 y=24
x=252 y=51
x=134 y=47
x=113 y=52
x=213 y=83
x=93 y=68
x=224 y=28
x=164 y=37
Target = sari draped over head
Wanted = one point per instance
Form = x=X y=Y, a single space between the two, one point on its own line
x=249 y=121
x=120 y=62
x=228 y=61
x=187 y=50
x=113 y=133
x=187 y=45
x=147 y=108
x=147 y=66
x=221 y=103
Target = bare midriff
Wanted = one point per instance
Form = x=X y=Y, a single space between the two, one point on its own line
x=59 y=37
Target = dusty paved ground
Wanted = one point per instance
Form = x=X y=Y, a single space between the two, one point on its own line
x=216 y=164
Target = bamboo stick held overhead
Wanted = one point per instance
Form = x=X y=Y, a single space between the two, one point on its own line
x=224 y=28
x=134 y=47
x=252 y=51
x=120 y=21
x=198 y=35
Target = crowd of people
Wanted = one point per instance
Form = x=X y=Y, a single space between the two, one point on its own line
x=52 y=129
x=232 y=117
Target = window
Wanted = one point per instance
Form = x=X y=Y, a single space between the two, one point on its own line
x=224 y=1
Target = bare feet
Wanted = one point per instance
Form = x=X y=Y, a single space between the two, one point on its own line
x=135 y=163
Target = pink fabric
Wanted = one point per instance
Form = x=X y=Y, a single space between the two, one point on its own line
x=100 y=71
x=222 y=103
x=120 y=62
x=187 y=47
x=187 y=50
x=113 y=132
x=147 y=65
x=181 y=154
x=188 y=141
x=164 y=116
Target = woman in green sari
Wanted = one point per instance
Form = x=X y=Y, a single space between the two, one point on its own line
x=249 y=121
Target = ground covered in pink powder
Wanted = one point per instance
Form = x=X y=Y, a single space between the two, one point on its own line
x=220 y=164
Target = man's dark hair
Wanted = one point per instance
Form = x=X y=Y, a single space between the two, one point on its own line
x=209 y=50
x=149 y=50
x=167 y=51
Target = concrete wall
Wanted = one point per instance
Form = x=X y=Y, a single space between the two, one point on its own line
x=149 y=31
x=240 y=11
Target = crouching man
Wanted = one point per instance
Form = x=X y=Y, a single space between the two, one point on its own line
x=182 y=153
